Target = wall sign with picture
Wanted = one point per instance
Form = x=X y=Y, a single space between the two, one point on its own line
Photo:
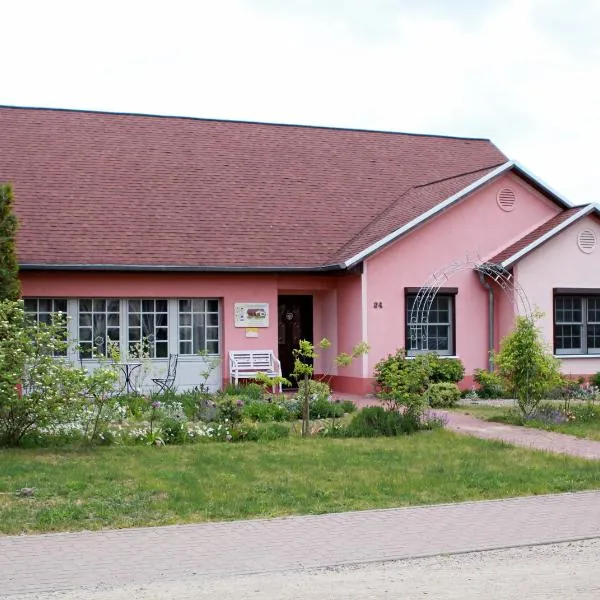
x=251 y=314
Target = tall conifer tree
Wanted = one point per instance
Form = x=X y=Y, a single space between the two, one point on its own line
x=10 y=287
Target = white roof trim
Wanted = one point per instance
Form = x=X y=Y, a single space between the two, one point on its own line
x=511 y=164
x=549 y=234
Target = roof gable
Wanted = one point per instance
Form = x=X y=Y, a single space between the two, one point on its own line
x=534 y=239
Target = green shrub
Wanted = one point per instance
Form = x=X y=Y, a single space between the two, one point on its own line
x=174 y=431
x=443 y=395
x=490 y=384
x=595 y=379
x=375 y=421
x=317 y=390
x=230 y=409
x=526 y=365
x=445 y=370
x=265 y=412
x=252 y=391
x=348 y=406
x=321 y=408
x=259 y=432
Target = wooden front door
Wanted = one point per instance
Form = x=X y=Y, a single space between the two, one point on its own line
x=295 y=324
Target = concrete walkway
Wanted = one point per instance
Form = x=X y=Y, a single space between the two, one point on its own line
x=111 y=559
x=523 y=436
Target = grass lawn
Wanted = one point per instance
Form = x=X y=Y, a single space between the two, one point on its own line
x=134 y=486
x=502 y=414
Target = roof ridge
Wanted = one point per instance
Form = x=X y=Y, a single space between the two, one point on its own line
x=460 y=175
x=244 y=121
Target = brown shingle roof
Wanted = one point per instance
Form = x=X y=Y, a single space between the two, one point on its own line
x=534 y=235
x=114 y=189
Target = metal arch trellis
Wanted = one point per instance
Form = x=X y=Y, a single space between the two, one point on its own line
x=419 y=312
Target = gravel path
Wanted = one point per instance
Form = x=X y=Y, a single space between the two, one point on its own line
x=560 y=571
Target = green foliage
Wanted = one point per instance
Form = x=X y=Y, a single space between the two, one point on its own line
x=99 y=392
x=173 y=430
x=304 y=357
x=348 y=406
x=10 y=288
x=445 y=370
x=526 y=367
x=230 y=409
x=322 y=408
x=265 y=411
x=252 y=391
x=374 y=421
x=490 y=384
x=443 y=395
x=316 y=390
x=403 y=381
x=36 y=390
x=261 y=432
x=595 y=379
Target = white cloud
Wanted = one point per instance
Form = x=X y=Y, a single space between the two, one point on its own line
x=522 y=72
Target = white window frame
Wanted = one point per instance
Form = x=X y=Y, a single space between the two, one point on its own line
x=151 y=338
x=451 y=351
x=55 y=310
x=99 y=339
x=583 y=324
x=215 y=330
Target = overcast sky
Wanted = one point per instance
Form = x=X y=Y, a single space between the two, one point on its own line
x=525 y=73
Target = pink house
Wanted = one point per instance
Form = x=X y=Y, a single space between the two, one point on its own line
x=212 y=236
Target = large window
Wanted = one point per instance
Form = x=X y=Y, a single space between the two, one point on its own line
x=42 y=309
x=99 y=322
x=577 y=324
x=199 y=326
x=148 y=330
x=431 y=331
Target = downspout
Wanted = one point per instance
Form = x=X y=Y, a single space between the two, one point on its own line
x=488 y=287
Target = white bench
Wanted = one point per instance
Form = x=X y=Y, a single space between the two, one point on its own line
x=247 y=364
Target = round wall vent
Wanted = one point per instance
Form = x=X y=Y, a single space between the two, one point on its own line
x=506 y=199
x=586 y=240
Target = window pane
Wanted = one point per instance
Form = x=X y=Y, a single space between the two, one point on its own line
x=185 y=320
x=134 y=306
x=85 y=306
x=198 y=305
x=113 y=306
x=134 y=320
x=593 y=338
x=134 y=334
x=185 y=306
x=185 y=348
x=162 y=350
x=161 y=306
x=148 y=305
x=60 y=306
x=567 y=337
x=212 y=347
x=31 y=305
x=99 y=305
x=45 y=305
x=185 y=333
x=212 y=305
x=593 y=310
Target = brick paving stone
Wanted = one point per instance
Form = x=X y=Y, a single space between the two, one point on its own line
x=105 y=559
x=529 y=437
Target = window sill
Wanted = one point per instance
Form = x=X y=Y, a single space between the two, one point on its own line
x=439 y=355
x=577 y=356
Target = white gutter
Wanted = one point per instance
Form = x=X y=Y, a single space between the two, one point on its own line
x=511 y=164
x=549 y=234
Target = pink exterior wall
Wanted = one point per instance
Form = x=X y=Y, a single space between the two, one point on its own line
x=231 y=288
x=560 y=264
x=475 y=227
x=350 y=333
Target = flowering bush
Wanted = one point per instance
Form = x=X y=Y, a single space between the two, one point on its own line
x=36 y=390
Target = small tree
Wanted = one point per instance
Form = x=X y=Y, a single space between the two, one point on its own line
x=527 y=368
x=304 y=356
x=10 y=288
